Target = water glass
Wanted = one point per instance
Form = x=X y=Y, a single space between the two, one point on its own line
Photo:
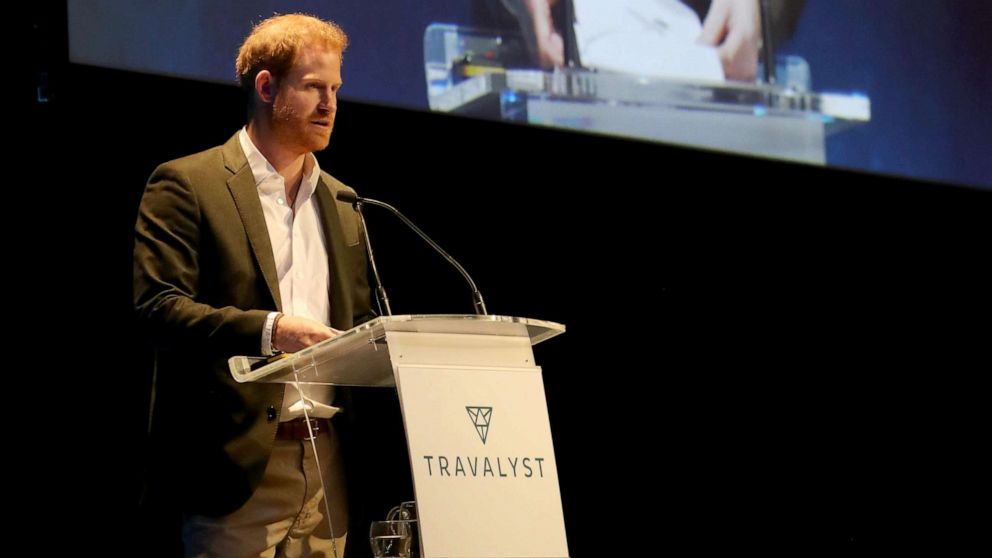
x=391 y=539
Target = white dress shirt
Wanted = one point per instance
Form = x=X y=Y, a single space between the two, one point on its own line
x=300 y=252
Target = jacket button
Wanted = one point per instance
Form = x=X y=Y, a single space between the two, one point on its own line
x=271 y=413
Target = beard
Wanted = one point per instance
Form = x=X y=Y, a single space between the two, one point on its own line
x=297 y=130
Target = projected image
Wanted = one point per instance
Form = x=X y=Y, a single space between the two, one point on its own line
x=885 y=86
x=686 y=73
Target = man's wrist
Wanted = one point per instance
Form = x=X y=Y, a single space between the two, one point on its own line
x=269 y=334
x=275 y=329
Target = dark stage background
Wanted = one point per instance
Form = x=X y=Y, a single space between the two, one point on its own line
x=760 y=357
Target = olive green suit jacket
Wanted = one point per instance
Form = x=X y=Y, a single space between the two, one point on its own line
x=204 y=282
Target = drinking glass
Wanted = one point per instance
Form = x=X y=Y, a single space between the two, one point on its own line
x=390 y=539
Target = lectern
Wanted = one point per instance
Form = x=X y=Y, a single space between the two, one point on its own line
x=476 y=422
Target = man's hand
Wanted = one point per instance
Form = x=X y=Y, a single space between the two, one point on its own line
x=734 y=27
x=292 y=333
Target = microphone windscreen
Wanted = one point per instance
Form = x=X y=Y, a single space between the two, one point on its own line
x=347 y=196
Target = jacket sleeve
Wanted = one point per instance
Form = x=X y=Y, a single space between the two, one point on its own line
x=785 y=18
x=167 y=266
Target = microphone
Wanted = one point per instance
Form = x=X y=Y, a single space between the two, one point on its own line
x=350 y=197
x=358 y=202
x=767 y=40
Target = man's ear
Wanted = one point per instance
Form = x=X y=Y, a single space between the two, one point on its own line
x=265 y=86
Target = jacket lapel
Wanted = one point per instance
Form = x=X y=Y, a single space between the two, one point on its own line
x=341 y=303
x=245 y=194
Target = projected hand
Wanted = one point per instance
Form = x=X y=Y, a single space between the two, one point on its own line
x=550 y=45
x=734 y=27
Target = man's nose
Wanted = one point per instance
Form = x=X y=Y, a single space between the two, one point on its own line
x=327 y=105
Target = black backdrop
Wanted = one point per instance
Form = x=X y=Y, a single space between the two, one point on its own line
x=760 y=356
